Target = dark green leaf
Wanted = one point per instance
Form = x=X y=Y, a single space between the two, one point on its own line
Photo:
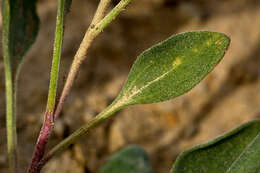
x=173 y=67
x=21 y=26
x=235 y=152
x=132 y=159
x=67 y=6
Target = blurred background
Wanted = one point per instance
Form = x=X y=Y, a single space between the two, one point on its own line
x=227 y=97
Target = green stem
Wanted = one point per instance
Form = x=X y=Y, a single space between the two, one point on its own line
x=104 y=115
x=80 y=55
x=49 y=113
x=56 y=57
x=92 y=32
x=112 y=15
x=100 y=12
x=10 y=92
x=94 y=29
x=11 y=117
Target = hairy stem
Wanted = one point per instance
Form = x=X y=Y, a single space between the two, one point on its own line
x=94 y=29
x=49 y=114
x=41 y=142
x=101 y=11
x=10 y=92
x=49 y=117
x=90 y=35
x=114 y=107
x=81 y=53
x=11 y=118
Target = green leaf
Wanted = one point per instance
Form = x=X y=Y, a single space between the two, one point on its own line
x=21 y=26
x=164 y=71
x=235 y=152
x=67 y=6
x=173 y=67
x=132 y=159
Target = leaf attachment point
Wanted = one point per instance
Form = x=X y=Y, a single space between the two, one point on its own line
x=165 y=71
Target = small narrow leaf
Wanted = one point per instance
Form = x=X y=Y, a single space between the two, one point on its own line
x=132 y=159
x=235 y=152
x=173 y=67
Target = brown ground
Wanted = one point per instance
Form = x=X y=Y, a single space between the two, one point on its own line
x=227 y=97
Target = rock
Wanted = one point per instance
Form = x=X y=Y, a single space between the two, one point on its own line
x=65 y=164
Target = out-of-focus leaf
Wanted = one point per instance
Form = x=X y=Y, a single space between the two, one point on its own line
x=67 y=6
x=132 y=159
x=235 y=152
x=173 y=67
x=20 y=27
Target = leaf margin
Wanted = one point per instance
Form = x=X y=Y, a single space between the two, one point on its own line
x=213 y=141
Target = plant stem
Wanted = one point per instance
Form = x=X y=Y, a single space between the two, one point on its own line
x=104 y=115
x=100 y=12
x=94 y=29
x=11 y=118
x=41 y=142
x=48 y=116
x=81 y=53
x=10 y=91
x=56 y=58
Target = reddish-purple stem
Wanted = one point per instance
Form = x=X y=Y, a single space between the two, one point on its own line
x=42 y=142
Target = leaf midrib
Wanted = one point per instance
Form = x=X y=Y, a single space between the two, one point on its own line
x=242 y=153
x=137 y=91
